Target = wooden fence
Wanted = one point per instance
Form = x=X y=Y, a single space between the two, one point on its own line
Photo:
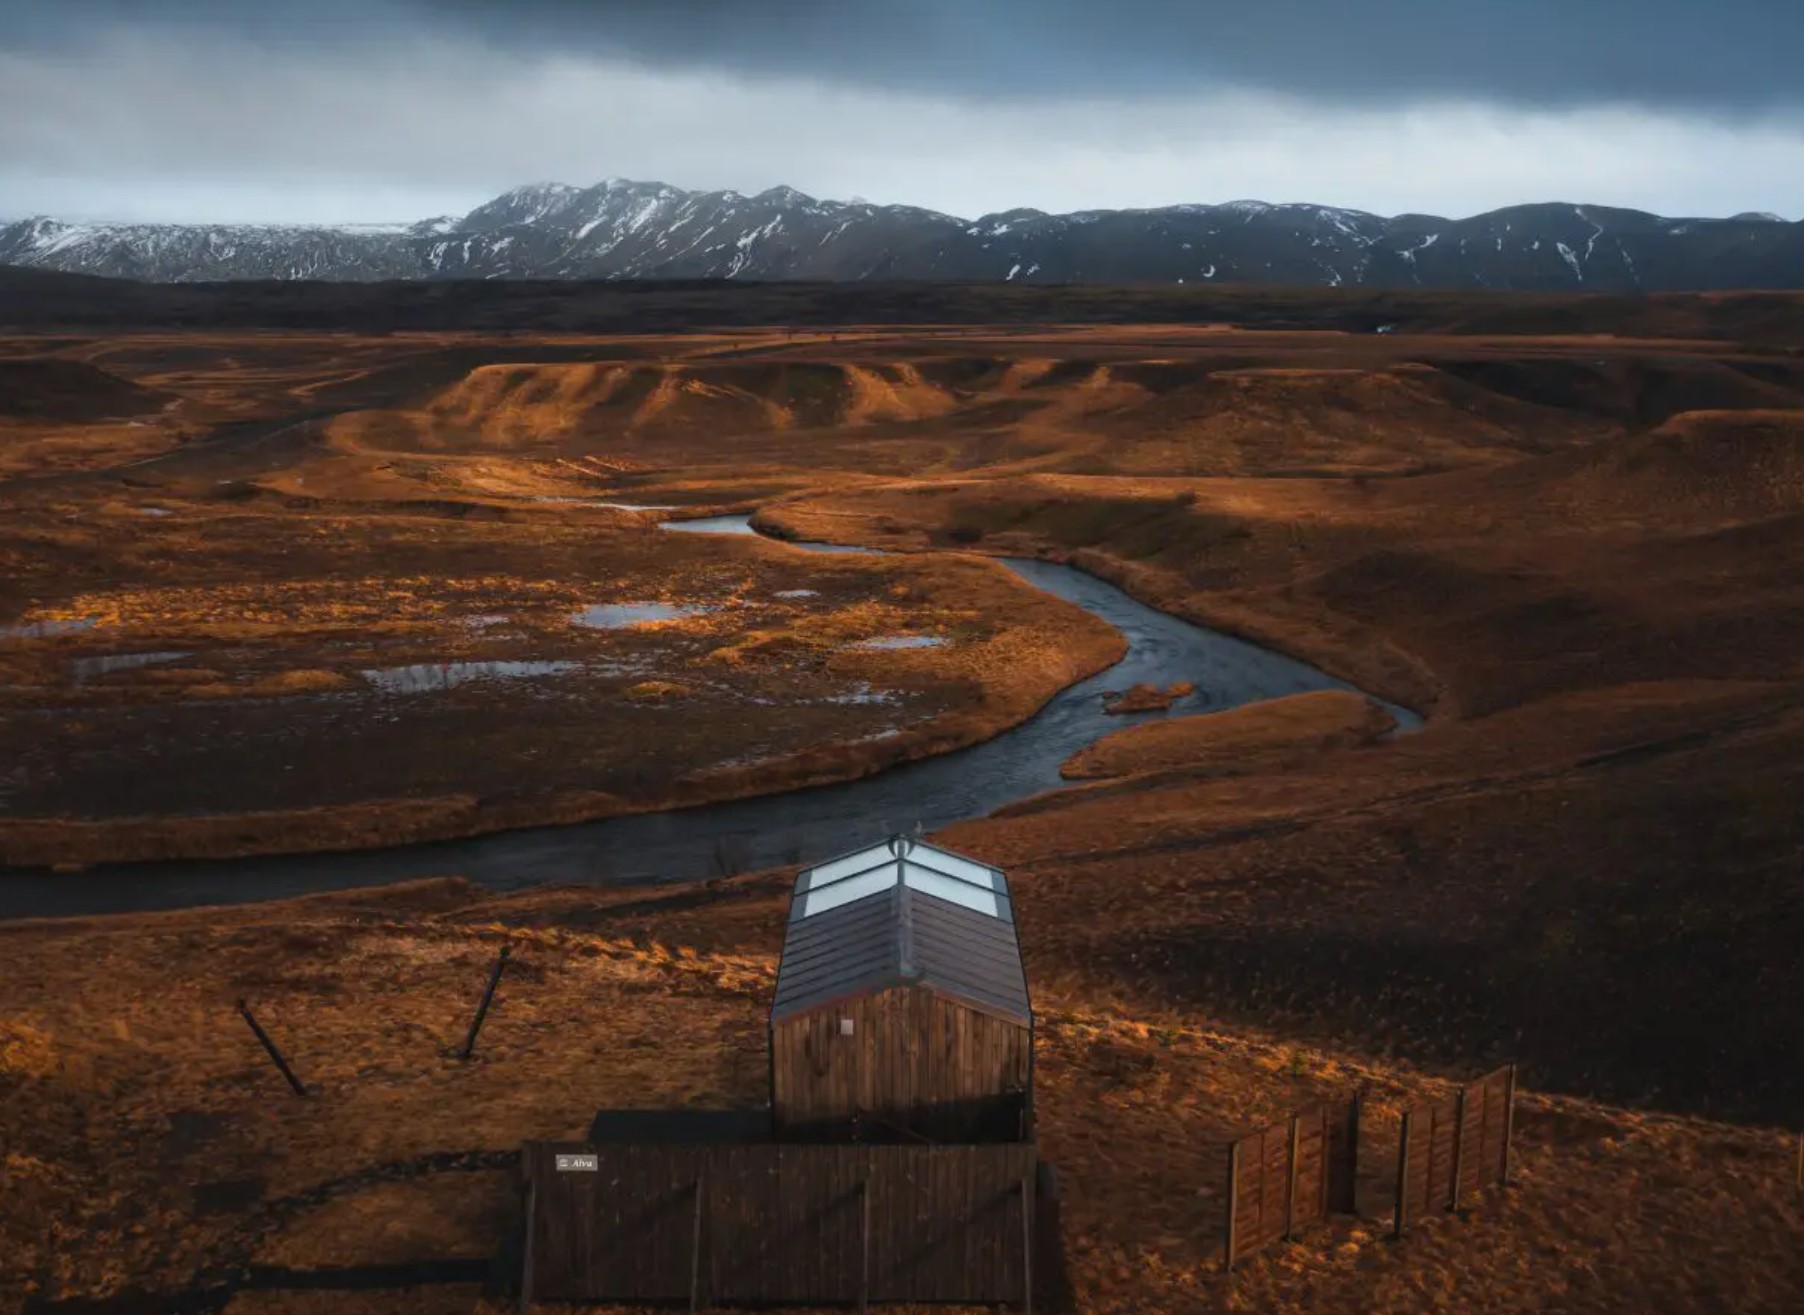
x=1453 y=1148
x=779 y=1223
x=1290 y=1176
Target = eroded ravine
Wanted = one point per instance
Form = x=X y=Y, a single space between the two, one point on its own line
x=745 y=834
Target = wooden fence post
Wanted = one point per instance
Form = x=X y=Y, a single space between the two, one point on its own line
x=270 y=1047
x=1323 y=1204
x=1401 y=1220
x=1800 y=1171
x=1484 y=1130
x=1434 y=1124
x=482 y=1009
x=695 y=1245
x=1027 y=1243
x=1459 y=1143
x=1290 y=1188
x=1233 y=1203
x=1509 y=1123
x=864 y=1245
x=532 y=1211
x=1359 y=1108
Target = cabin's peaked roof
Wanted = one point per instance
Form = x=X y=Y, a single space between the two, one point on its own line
x=902 y=913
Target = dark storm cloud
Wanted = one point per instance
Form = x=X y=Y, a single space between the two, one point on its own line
x=1728 y=56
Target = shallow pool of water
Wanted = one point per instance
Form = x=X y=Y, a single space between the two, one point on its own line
x=426 y=677
x=863 y=693
x=86 y=668
x=711 y=525
x=743 y=525
x=902 y=641
x=621 y=616
x=46 y=629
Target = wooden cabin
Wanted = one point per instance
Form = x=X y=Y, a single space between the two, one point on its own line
x=901 y=1010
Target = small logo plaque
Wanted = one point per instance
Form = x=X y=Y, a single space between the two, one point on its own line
x=578 y=1163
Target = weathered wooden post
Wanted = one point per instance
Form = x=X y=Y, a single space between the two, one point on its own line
x=864 y=1245
x=1233 y=1204
x=695 y=1245
x=1027 y=1243
x=1509 y=1123
x=270 y=1046
x=1323 y=1206
x=1428 y=1179
x=532 y=1212
x=1401 y=1218
x=1459 y=1144
x=1290 y=1189
x=482 y=1009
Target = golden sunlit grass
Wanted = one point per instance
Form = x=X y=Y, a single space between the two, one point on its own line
x=1237 y=741
x=39 y=449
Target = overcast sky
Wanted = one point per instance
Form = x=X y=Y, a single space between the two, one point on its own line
x=341 y=110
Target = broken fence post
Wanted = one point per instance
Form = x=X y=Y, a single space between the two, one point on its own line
x=270 y=1046
x=482 y=1009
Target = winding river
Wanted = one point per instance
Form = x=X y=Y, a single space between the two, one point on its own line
x=802 y=825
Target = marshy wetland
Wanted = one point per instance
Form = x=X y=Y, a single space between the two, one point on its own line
x=489 y=677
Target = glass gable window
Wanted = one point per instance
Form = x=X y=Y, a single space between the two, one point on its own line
x=862 y=861
x=953 y=866
x=928 y=882
x=921 y=867
x=854 y=886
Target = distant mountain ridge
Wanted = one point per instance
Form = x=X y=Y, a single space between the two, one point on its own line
x=621 y=229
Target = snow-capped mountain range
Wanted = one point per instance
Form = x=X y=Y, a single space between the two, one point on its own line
x=631 y=230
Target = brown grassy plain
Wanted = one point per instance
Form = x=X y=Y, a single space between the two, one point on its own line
x=140 y=1105
x=1578 y=554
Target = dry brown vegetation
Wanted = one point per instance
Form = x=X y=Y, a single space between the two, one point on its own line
x=1579 y=555
x=140 y=1106
x=1238 y=742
